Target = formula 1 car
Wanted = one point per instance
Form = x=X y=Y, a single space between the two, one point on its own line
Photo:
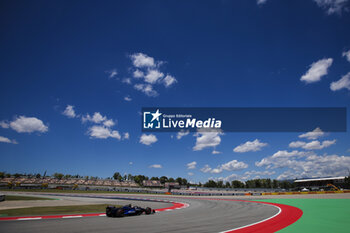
x=128 y=210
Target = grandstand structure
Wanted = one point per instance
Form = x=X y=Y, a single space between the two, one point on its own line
x=158 y=184
x=66 y=183
x=322 y=183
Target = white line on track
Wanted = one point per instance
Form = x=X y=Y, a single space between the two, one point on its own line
x=234 y=229
x=73 y=216
x=29 y=218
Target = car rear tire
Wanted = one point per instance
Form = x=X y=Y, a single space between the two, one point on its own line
x=148 y=210
x=109 y=211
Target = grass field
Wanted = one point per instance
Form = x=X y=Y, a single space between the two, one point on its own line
x=25 y=198
x=319 y=215
x=52 y=210
x=74 y=191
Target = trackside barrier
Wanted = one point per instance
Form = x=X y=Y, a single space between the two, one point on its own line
x=258 y=194
x=310 y=192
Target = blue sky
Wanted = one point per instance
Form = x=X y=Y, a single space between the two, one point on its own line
x=244 y=53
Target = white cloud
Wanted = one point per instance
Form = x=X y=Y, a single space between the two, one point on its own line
x=332 y=6
x=247 y=175
x=153 y=76
x=131 y=163
x=148 y=139
x=169 y=80
x=142 y=60
x=126 y=135
x=347 y=55
x=344 y=82
x=69 y=111
x=103 y=132
x=112 y=73
x=126 y=80
x=313 y=145
x=96 y=118
x=260 y=173
x=298 y=164
x=127 y=98
x=316 y=133
x=155 y=166
x=233 y=165
x=190 y=173
x=138 y=74
x=181 y=134
x=6 y=140
x=206 y=169
x=260 y=2
x=279 y=159
x=206 y=139
x=215 y=152
x=191 y=165
x=146 y=88
x=4 y=124
x=255 y=145
x=297 y=144
x=228 y=178
x=24 y=124
x=108 y=123
x=317 y=70
x=147 y=73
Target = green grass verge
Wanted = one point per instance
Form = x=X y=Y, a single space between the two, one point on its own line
x=25 y=198
x=52 y=210
x=319 y=215
x=74 y=191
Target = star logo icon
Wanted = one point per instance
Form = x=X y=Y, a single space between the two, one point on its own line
x=156 y=115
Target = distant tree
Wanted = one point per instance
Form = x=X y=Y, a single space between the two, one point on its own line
x=250 y=184
x=268 y=183
x=117 y=176
x=275 y=184
x=130 y=177
x=220 y=184
x=179 y=180
x=210 y=184
x=237 y=184
x=58 y=175
x=163 y=179
x=227 y=184
x=257 y=183
x=154 y=178
x=286 y=184
x=38 y=175
x=184 y=181
x=2 y=175
x=171 y=179
x=140 y=178
x=17 y=175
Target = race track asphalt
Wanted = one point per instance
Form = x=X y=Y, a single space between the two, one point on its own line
x=200 y=216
